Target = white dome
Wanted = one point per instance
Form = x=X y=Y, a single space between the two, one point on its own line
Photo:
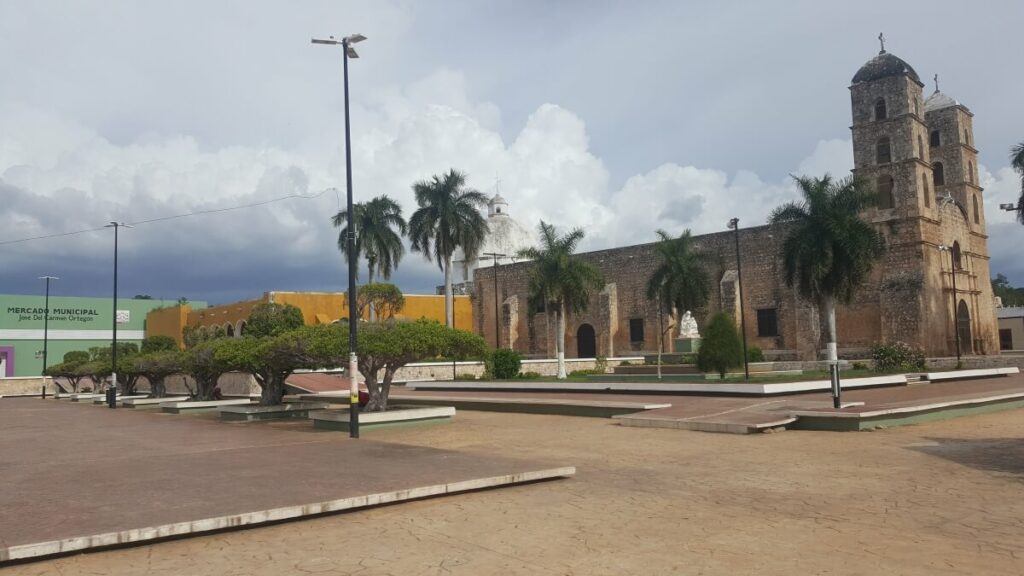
x=505 y=236
x=938 y=101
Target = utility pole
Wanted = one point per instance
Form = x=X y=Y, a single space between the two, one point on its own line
x=497 y=318
x=353 y=314
x=112 y=390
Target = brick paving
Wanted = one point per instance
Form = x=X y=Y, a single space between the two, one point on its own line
x=73 y=470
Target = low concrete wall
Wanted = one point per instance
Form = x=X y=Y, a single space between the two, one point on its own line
x=26 y=385
x=546 y=367
x=231 y=384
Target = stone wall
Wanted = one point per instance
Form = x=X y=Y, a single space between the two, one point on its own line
x=26 y=386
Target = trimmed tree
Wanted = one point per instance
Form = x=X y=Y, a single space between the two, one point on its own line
x=271 y=319
x=448 y=218
x=202 y=363
x=69 y=369
x=720 y=346
x=382 y=299
x=386 y=347
x=157 y=366
x=559 y=281
x=158 y=343
x=272 y=360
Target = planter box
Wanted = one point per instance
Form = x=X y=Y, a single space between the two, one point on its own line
x=288 y=410
x=151 y=402
x=190 y=406
x=397 y=416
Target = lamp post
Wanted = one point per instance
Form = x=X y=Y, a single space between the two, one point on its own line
x=952 y=272
x=112 y=390
x=353 y=320
x=46 y=326
x=734 y=225
x=497 y=322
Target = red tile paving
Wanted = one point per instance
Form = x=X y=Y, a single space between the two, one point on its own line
x=73 y=470
x=315 y=382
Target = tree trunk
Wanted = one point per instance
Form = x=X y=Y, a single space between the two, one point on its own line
x=158 y=387
x=369 y=276
x=374 y=390
x=560 y=341
x=830 y=315
x=449 y=299
x=385 y=392
x=661 y=340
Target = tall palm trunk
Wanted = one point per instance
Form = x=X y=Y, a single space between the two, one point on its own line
x=369 y=278
x=560 y=341
x=449 y=299
x=830 y=316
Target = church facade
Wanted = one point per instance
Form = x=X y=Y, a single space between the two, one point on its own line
x=920 y=157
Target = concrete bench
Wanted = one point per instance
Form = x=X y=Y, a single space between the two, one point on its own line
x=196 y=406
x=151 y=402
x=338 y=419
x=256 y=412
x=969 y=374
x=565 y=407
x=85 y=396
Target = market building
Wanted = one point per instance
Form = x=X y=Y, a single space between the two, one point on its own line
x=74 y=324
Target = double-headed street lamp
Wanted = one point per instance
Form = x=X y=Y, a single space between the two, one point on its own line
x=112 y=391
x=734 y=225
x=46 y=326
x=353 y=314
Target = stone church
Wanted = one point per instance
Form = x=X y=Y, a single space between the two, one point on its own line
x=918 y=153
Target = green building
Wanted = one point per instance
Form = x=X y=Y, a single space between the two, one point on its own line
x=75 y=324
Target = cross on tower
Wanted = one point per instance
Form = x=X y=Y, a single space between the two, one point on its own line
x=936 y=82
x=881 y=40
x=497 y=183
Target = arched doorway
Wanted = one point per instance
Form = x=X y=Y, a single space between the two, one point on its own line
x=586 y=342
x=963 y=327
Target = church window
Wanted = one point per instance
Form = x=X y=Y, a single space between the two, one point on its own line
x=915 y=106
x=880 y=112
x=977 y=210
x=935 y=140
x=883 y=150
x=927 y=194
x=920 y=147
x=967 y=139
x=970 y=172
x=636 y=329
x=938 y=174
x=958 y=264
x=885 y=194
x=767 y=322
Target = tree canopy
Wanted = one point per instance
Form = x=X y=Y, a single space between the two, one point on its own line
x=271 y=319
x=379 y=230
x=385 y=300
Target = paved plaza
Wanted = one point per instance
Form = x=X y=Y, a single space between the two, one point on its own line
x=78 y=476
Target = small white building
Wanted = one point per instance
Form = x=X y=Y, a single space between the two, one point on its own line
x=1011 y=328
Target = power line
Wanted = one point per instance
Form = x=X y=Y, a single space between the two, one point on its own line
x=172 y=217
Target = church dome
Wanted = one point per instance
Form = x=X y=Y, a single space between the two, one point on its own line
x=505 y=235
x=938 y=101
x=883 y=66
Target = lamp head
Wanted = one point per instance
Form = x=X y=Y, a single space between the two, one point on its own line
x=734 y=223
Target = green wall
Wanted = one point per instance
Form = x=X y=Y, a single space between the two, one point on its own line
x=75 y=324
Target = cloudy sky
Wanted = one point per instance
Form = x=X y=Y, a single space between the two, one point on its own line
x=621 y=117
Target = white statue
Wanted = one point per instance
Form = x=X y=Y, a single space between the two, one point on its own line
x=688 y=326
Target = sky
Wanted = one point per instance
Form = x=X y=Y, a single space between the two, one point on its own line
x=619 y=117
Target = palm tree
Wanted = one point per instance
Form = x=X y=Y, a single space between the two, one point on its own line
x=379 y=229
x=829 y=249
x=448 y=218
x=1017 y=162
x=558 y=281
x=679 y=283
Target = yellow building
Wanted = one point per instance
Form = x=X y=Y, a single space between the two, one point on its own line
x=316 y=307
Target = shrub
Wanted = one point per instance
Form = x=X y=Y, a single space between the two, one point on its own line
x=465 y=376
x=625 y=363
x=580 y=373
x=860 y=366
x=530 y=375
x=755 y=354
x=504 y=364
x=601 y=363
x=897 y=356
x=721 y=348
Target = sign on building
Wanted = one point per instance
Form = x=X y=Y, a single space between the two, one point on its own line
x=123 y=316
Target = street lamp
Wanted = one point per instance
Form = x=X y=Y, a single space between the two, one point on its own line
x=46 y=326
x=497 y=323
x=952 y=272
x=353 y=319
x=734 y=225
x=1009 y=207
x=112 y=391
